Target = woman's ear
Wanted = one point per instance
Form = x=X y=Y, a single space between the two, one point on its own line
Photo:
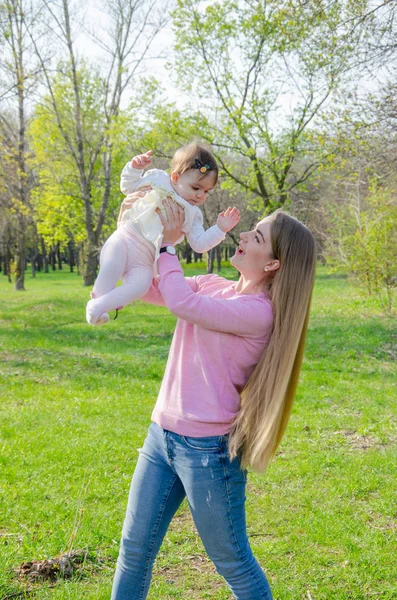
x=273 y=265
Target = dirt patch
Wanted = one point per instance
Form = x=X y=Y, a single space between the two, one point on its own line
x=182 y=519
x=6 y=536
x=194 y=561
x=197 y=562
x=78 y=563
x=62 y=567
x=42 y=307
x=359 y=442
x=382 y=523
x=389 y=350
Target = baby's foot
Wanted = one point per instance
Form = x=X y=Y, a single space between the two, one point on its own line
x=94 y=316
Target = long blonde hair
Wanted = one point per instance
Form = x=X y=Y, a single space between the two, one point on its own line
x=267 y=399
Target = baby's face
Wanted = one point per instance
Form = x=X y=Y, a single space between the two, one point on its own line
x=193 y=189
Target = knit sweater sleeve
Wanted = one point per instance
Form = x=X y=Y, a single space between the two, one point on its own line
x=244 y=315
x=154 y=296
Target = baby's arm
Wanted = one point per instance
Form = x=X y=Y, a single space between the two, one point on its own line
x=132 y=172
x=201 y=240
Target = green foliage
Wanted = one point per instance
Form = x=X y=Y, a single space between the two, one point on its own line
x=367 y=241
x=246 y=61
x=58 y=202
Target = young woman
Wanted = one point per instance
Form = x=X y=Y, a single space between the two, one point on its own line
x=225 y=399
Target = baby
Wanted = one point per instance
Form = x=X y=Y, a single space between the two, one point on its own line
x=131 y=252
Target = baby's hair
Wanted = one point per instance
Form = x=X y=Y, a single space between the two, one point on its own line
x=195 y=156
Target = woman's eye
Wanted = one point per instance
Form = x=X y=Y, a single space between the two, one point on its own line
x=257 y=239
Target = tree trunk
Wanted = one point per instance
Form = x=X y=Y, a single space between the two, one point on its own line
x=218 y=254
x=79 y=258
x=197 y=257
x=188 y=254
x=39 y=262
x=7 y=263
x=59 y=259
x=210 y=261
x=71 y=255
x=20 y=256
x=91 y=264
x=52 y=259
x=23 y=191
x=45 y=257
x=33 y=258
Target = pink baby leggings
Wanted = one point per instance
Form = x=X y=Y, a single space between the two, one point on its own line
x=126 y=256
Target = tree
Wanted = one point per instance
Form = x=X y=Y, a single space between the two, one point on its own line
x=245 y=60
x=131 y=27
x=365 y=238
x=19 y=73
x=58 y=208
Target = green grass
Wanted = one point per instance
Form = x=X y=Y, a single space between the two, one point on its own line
x=75 y=406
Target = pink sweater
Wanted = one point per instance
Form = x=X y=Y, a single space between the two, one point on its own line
x=219 y=338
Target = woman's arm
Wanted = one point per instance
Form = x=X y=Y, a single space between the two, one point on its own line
x=245 y=315
x=154 y=296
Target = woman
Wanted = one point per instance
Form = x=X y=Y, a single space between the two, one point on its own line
x=225 y=399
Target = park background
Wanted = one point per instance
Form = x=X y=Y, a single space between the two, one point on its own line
x=298 y=101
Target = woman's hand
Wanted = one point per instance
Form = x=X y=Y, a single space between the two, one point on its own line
x=172 y=222
x=130 y=199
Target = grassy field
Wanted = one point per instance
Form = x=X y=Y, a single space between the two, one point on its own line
x=75 y=406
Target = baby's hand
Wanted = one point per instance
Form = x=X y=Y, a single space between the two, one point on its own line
x=142 y=160
x=228 y=219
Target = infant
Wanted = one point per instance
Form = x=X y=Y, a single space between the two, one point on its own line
x=131 y=252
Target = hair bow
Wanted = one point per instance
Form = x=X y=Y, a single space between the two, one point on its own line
x=201 y=166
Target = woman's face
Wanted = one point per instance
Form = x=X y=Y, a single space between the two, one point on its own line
x=255 y=253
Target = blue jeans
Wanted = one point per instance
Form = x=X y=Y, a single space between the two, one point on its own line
x=170 y=467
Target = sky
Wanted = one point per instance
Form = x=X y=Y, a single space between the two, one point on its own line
x=160 y=54
x=95 y=20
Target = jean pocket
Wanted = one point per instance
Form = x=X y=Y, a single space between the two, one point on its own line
x=204 y=444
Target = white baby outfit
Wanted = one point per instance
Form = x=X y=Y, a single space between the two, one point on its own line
x=131 y=252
